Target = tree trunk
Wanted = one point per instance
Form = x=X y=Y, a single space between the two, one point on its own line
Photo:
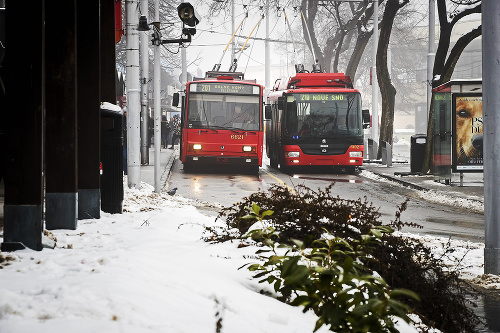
x=387 y=90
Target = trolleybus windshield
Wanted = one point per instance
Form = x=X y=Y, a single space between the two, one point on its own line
x=323 y=114
x=237 y=108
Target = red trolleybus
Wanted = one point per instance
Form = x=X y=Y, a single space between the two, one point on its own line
x=222 y=122
x=315 y=119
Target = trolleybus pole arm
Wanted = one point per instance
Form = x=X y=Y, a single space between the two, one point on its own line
x=178 y=40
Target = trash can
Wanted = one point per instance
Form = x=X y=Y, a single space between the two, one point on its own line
x=112 y=160
x=372 y=149
x=417 y=152
x=386 y=149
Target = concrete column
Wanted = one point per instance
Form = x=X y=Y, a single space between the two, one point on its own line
x=61 y=196
x=89 y=112
x=108 y=54
x=23 y=111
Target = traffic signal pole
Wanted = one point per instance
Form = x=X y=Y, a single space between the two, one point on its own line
x=144 y=39
x=157 y=104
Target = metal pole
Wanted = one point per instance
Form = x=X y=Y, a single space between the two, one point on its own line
x=491 y=123
x=375 y=126
x=184 y=65
x=430 y=61
x=267 y=82
x=133 y=94
x=144 y=89
x=157 y=105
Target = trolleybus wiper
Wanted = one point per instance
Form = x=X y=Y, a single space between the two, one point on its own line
x=234 y=130
x=208 y=128
x=239 y=130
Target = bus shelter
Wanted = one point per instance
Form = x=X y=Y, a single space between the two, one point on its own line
x=458 y=129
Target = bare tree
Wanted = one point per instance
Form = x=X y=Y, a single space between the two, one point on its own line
x=446 y=59
x=348 y=24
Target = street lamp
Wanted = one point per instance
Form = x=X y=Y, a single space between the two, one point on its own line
x=188 y=16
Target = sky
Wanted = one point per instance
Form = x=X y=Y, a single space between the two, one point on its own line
x=147 y=270
x=213 y=35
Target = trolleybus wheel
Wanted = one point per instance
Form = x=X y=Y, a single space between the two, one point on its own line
x=187 y=167
x=254 y=169
x=352 y=170
x=274 y=163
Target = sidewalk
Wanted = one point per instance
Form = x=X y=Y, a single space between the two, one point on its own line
x=473 y=183
x=167 y=158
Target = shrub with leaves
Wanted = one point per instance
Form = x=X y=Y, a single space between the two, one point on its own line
x=331 y=280
x=304 y=214
x=407 y=264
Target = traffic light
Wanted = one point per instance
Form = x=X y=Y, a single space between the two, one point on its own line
x=187 y=14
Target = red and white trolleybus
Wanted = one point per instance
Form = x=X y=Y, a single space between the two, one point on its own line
x=222 y=121
x=315 y=119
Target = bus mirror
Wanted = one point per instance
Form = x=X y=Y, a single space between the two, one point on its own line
x=175 y=99
x=366 y=118
x=281 y=103
x=268 y=112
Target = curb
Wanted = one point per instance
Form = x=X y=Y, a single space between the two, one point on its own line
x=418 y=187
x=400 y=181
x=168 y=168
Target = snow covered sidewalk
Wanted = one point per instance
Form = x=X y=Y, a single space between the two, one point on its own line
x=146 y=270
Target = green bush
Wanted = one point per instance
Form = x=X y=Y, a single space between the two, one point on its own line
x=403 y=263
x=331 y=280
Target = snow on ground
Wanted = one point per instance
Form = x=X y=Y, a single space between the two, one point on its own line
x=472 y=203
x=147 y=270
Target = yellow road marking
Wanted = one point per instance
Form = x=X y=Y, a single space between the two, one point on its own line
x=280 y=181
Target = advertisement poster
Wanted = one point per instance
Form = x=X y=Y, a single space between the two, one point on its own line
x=468 y=133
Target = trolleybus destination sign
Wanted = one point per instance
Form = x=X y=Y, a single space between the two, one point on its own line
x=223 y=88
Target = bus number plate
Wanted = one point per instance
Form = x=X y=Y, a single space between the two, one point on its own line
x=237 y=136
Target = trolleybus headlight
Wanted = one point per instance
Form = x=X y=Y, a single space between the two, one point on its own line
x=355 y=154
x=293 y=154
x=196 y=146
x=248 y=148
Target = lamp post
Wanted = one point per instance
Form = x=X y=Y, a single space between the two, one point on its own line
x=188 y=17
x=144 y=90
x=431 y=55
x=375 y=129
x=133 y=95
x=491 y=120
x=157 y=97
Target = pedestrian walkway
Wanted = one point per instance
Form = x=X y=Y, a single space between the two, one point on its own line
x=400 y=172
x=167 y=158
